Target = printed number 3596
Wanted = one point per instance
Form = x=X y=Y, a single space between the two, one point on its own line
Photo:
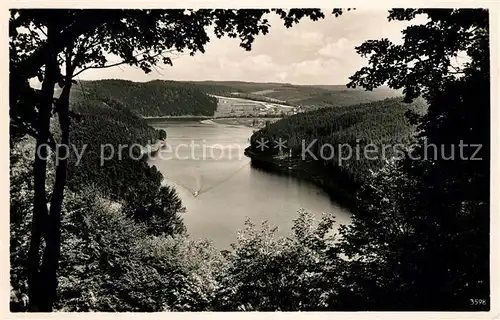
x=478 y=302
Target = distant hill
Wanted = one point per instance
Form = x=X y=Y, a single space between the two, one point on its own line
x=309 y=96
x=176 y=98
x=154 y=98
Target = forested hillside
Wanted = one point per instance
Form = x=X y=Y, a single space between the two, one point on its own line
x=122 y=175
x=337 y=138
x=102 y=123
x=154 y=98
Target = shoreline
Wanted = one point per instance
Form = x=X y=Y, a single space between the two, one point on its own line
x=152 y=149
x=247 y=122
x=177 y=117
x=341 y=196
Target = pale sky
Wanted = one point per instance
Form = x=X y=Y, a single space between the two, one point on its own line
x=311 y=52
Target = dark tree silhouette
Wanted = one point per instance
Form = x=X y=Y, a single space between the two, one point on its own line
x=424 y=242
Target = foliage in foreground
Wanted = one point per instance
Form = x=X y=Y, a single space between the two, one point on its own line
x=264 y=272
x=112 y=263
x=109 y=261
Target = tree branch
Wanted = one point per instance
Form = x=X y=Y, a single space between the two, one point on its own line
x=122 y=62
x=41 y=30
x=30 y=66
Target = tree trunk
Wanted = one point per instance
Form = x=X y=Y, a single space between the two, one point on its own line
x=40 y=211
x=50 y=261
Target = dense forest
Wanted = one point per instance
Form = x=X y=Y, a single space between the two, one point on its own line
x=101 y=128
x=335 y=139
x=154 y=98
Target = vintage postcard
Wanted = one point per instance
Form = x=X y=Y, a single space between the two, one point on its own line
x=281 y=158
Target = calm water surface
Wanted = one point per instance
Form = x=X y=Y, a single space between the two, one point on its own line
x=219 y=188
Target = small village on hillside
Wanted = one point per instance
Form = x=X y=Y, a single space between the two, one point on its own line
x=238 y=107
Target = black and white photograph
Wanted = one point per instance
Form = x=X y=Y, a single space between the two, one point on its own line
x=250 y=159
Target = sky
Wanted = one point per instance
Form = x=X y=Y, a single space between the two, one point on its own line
x=311 y=53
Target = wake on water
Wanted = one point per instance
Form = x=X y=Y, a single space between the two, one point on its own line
x=200 y=188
